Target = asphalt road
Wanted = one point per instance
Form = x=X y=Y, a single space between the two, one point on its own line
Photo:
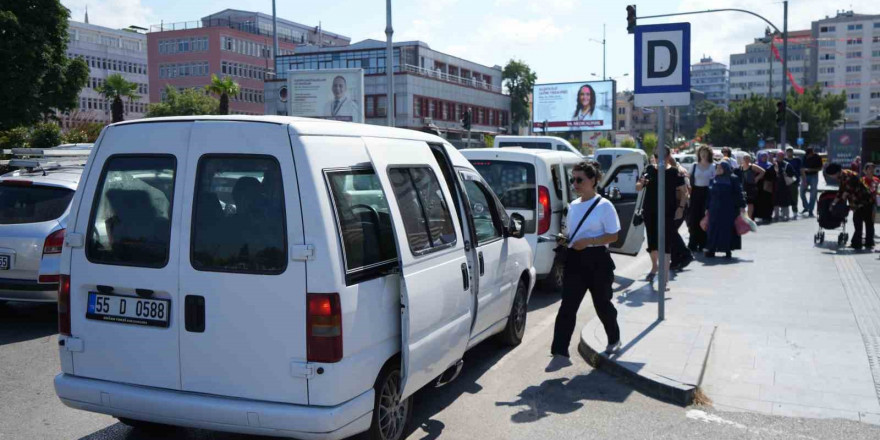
x=501 y=393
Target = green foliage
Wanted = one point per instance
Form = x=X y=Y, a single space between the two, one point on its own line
x=818 y=111
x=223 y=88
x=38 y=78
x=628 y=143
x=649 y=143
x=520 y=79
x=75 y=136
x=18 y=137
x=488 y=141
x=115 y=88
x=575 y=142
x=46 y=135
x=186 y=103
x=92 y=130
x=604 y=143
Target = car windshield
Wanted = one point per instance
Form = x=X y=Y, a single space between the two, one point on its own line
x=605 y=161
x=32 y=203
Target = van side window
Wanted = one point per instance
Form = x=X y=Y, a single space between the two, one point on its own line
x=487 y=224
x=131 y=216
x=514 y=183
x=625 y=179
x=423 y=207
x=364 y=222
x=238 y=220
x=557 y=185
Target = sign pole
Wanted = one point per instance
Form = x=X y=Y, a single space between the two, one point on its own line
x=661 y=212
x=783 y=129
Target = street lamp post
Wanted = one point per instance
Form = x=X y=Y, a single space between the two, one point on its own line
x=603 y=49
x=389 y=65
x=782 y=129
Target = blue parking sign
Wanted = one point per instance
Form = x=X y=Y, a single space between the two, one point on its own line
x=761 y=143
x=800 y=142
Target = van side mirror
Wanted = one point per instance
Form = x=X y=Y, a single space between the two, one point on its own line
x=515 y=229
x=614 y=193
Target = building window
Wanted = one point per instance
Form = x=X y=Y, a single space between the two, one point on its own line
x=875 y=95
x=853 y=41
x=827 y=29
x=853 y=55
x=851 y=110
x=855 y=96
x=854 y=27
x=853 y=69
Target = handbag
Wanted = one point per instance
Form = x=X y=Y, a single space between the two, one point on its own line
x=638 y=218
x=788 y=180
x=562 y=250
x=742 y=226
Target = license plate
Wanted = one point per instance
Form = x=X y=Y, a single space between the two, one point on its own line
x=128 y=309
x=4 y=262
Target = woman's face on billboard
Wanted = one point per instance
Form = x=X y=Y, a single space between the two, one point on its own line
x=584 y=97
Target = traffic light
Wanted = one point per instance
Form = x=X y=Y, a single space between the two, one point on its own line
x=466 y=119
x=631 y=19
x=780 y=113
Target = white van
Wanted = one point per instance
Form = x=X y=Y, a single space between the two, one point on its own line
x=536 y=142
x=606 y=156
x=536 y=185
x=279 y=276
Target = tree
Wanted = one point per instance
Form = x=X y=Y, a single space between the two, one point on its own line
x=604 y=143
x=223 y=87
x=520 y=79
x=38 y=78
x=628 y=143
x=488 y=141
x=115 y=88
x=46 y=135
x=818 y=111
x=186 y=103
x=75 y=136
x=18 y=137
x=649 y=143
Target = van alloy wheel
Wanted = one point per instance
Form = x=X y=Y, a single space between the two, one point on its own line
x=520 y=310
x=393 y=412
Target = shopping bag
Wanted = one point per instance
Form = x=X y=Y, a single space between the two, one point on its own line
x=741 y=225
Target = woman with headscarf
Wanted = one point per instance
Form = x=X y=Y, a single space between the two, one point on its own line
x=781 y=190
x=764 y=197
x=726 y=202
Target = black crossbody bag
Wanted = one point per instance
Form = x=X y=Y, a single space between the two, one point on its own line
x=562 y=251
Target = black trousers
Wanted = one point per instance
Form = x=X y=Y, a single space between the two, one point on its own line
x=863 y=218
x=590 y=269
x=680 y=251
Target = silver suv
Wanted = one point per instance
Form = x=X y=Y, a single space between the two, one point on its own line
x=34 y=204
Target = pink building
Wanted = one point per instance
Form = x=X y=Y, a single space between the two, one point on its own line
x=230 y=43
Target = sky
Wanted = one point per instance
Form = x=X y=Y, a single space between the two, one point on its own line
x=554 y=37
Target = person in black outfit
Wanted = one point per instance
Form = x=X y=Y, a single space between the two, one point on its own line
x=588 y=266
x=675 y=199
x=681 y=254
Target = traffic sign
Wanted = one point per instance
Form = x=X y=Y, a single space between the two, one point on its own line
x=662 y=65
x=761 y=143
x=800 y=142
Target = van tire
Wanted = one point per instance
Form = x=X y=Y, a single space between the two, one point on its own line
x=146 y=427
x=516 y=321
x=387 y=405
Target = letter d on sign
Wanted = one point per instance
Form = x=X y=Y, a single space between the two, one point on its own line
x=653 y=72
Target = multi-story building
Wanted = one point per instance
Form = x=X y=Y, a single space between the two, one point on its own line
x=847 y=58
x=233 y=43
x=432 y=89
x=623 y=118
x=710 y=77
x=107 y=51
x=759 y=72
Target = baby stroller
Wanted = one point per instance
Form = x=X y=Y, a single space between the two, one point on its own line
x=831 y=218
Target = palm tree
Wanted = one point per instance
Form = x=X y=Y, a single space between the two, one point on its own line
x=115 y=88
x=223 y=87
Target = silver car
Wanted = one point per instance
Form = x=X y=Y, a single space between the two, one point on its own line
x=34 y=204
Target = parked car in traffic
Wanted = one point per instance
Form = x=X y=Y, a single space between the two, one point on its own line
x=280 y=276
x=606 y=156
x=535 y=142
x=34 y=205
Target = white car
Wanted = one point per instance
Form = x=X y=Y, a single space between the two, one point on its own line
x=606 y=156
x=535 y=142
x=535 y=184
x=280 y=276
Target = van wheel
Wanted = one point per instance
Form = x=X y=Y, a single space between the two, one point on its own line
x=146 y=427
x=516 y=321
x=390 y=415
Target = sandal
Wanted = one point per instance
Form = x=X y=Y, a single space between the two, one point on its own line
x=650 y=277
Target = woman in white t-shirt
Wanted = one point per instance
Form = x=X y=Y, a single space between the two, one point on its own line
x=593 y=225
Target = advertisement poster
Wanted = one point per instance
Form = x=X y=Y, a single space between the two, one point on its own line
x=844 y=145
x=578 y=106
x=590 y=142
x=336 y=94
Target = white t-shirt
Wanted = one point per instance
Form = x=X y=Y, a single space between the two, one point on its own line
x=603 y=220
x=702 y=177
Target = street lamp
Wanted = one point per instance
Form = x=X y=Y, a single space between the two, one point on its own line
x=610 y=77
x=603 y=49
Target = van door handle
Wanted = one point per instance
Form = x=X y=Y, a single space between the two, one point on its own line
x=482 y=268
x=194 y=313
x=464 y=276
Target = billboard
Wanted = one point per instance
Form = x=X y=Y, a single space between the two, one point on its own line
x=327 y=94
x=578 y=106
x=844 y=145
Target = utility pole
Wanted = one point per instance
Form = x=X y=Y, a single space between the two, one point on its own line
x=603 y=51
x=389 y=66
x=275 y=39
x=661 y=212
x=782 y=130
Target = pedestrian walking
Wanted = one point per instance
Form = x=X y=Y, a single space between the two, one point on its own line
x=726 y=203
x=796 y=165
x=764 y=198
x=727 y=155
x=750 y=174
x=588 y=264
x=682 y=257
x=675 y=198
x=702 y=173
x=857 y=193
x=783 y=175
x=810 y=180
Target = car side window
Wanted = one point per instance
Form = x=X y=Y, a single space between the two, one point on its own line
x=557 y=184
x=131 y=216
x=239 y=221
x=364 y=222
x=426 y=216
x=487 y=223
x=625 y=179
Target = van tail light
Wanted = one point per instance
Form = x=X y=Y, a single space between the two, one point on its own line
x=54 y=243
x=544 y=213
x=64 y=305
x=324 y=327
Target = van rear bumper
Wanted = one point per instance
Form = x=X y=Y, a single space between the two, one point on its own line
x=214 y=412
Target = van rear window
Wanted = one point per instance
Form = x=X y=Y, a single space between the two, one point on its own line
x=131 y=218
x=532 y=145
x=32 y=203
x=514 y=184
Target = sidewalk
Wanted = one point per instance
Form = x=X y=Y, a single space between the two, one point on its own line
x=785 y=328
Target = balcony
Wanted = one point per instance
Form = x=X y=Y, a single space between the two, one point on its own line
x=248 y=26
x=445 y=77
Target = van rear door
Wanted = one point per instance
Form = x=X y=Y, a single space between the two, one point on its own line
x=123 y=285
x=619 y=187
x=435 y=293
x=243 y=286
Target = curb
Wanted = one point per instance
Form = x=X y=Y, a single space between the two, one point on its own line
x=645 y=382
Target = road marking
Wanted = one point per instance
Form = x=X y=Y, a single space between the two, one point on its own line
x=703 y=416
